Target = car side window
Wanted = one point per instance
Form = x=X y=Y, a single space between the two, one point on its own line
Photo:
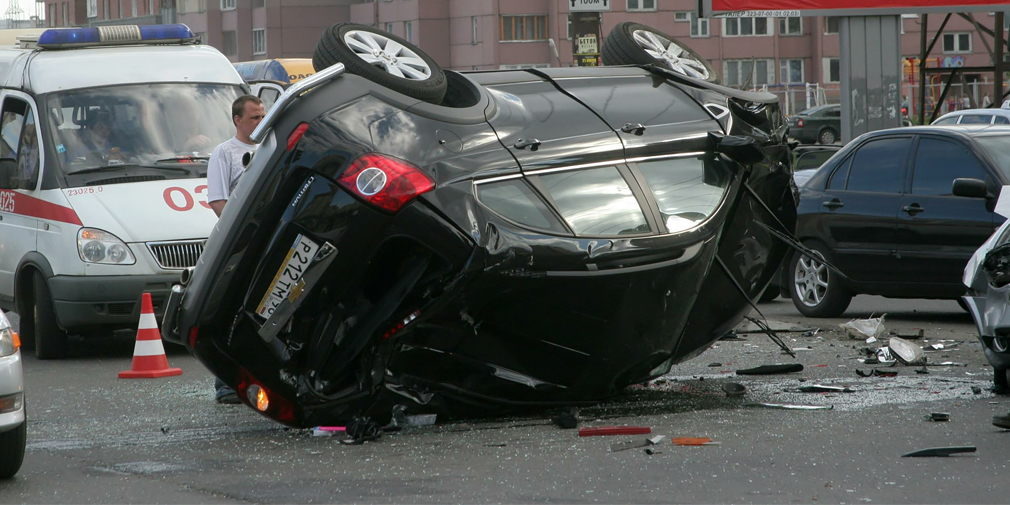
x=947 y=120
x=687 y=189
x=834 y=113
x=976 y=119
x=1001 y=120
x=20 y=142
x=840 y=175
x=596 y=202
x=938 y=163
x=879 y=166
x=516 y=201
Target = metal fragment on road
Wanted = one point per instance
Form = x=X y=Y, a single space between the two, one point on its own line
x=818 y=388
x=789 y=406
x=939 y=451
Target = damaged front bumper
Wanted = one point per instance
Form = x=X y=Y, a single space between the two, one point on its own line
x=987 y=277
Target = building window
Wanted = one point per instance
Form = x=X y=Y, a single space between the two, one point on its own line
x=791 y=71
x=831 y=25
x=389 y=28
x=523 y=28
x=473 y=29
x=832 y=70
x=408 y=31
x=681 y=17
x=51 y=19
x=699 y=26
x=748 y=73
x=105 y=8
x=957 y=42
x=790 y=26
x=227 y=5
x=744 y=27
x=150 y=7
x=229 y=43
x=569 y=28
x=92 y=8
x=522 y=66
x=641 y=5
x=66 y=14
x=259 y=41
x=259 y=4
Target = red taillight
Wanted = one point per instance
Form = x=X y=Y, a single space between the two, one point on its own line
x=799 y=122
x=384 y=181
x=268 y=402
x=297 y=135
x=192 y=336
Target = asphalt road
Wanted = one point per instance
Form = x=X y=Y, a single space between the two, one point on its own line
x=94 y=438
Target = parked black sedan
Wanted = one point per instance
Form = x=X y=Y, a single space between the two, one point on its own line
x=899 y=212
x=817 y=125
x=446 y=241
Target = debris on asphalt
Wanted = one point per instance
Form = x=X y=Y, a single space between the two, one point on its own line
x=734 y=389
x=594 y=431
x=713 y=365
x=650 y=451
x=939 y=451
x=772 y=335
x=812 y=332
x=630 y=444
x=818 y=388
x=906 y=352
x=913 y=336
x=422 y=420
x=693 y=441
x=884 y=356
x=871 y=340
x=789 y=406
x=568 y=421
x=885 y=373
x=1001 y=421
x=863 y=329
x=977 y=390
x=328 y=431
x=938 y=416
x=772 y=369
x=361 y=430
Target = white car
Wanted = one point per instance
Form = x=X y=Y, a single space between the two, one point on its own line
x=975 y=116
x=13 y=421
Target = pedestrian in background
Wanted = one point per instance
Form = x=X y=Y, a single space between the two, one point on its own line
x=986 y=101
x=965 y=102
x=224 y=169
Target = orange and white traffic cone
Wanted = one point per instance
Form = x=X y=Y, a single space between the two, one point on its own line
x=149 y=360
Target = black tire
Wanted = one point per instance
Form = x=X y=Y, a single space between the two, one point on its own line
x=827 y=136
x=621 y=48
x=50 y=339
x=332 y=49
x=822 y=295
x=12 y=450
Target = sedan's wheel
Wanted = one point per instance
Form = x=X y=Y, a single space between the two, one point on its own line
x=382 y=58
x=50 y=339
x=636 y=44
x=12 y=450
x=814 y=288
x=827 y=136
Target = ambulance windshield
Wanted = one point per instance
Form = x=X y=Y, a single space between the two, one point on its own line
x=165 y=130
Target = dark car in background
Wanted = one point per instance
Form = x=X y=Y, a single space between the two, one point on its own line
x=899 y=212
x=817 y=125
x=493 y=240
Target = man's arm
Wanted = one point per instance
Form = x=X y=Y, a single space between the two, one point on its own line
x=218 y=206
x=217 y=181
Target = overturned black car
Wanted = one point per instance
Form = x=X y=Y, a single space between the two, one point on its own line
x=519 y=239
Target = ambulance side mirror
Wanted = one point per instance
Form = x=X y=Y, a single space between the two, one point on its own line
x=8 y=173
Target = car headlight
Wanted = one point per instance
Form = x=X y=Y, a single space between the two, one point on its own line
x=9 y=342
x=97 y=246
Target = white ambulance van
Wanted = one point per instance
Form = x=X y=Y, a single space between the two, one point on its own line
x=104 y=139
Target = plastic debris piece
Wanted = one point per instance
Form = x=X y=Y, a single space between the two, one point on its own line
x=885 y=373
x=693 y=441
x=328 y=431
x=861 y=373
x=1001 y=422
x=977 y=390
x=650 y=451
x=421 y=420
x=939 y=451
x=864 y=328
x=913 y=336
x=938 y=416
x=630 y=444
x=772 y=369
x=884 y=356
x=734 y=389
x=871 y=340
x=906 y=352
x=789 y=406
x=568 y=421
x=713 y=365
x=656 y=439
x=595 y=431
x=818 y=388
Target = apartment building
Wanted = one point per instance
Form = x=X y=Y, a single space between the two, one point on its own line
x=492 y=34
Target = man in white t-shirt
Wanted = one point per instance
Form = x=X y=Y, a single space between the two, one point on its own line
x=224 y=169
x=225 y=165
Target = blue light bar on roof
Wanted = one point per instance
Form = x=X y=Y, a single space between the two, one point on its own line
x=64 y=38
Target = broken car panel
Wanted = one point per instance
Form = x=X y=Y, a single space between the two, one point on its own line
x=403 y=252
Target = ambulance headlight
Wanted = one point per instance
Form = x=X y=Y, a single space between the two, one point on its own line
x=97 y=246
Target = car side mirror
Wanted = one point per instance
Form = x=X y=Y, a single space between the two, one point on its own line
x=8 y=173
x=967 y=187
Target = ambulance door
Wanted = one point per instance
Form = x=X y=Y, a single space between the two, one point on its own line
x=20 y=159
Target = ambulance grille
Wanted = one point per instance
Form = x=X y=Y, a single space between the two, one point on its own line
x=176 y=255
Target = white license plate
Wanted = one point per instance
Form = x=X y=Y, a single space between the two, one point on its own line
x=288 y=281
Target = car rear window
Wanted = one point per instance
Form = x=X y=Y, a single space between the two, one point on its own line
x=516 y=201
x=687 y=189
x=946 y=120
x=976 y=119
x=596 y=202
x=1001 y=120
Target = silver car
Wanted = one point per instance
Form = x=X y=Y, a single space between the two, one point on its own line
x=13 y=421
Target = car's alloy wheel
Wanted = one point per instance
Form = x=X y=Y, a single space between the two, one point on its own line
x=828 y=137
x=814 y=288
x=676 y=57
x=387 y=54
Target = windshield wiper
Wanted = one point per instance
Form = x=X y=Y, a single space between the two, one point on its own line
x=183 y=159
x=108 y=168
